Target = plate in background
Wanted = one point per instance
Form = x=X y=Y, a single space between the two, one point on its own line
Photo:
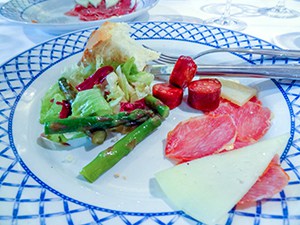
x=288 y=40
x=48 y=15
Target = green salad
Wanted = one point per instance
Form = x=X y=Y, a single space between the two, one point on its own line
x=99 y=89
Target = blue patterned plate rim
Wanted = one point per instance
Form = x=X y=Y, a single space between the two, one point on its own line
x=140 y=31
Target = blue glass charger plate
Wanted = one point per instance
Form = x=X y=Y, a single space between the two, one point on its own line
x=42 y=186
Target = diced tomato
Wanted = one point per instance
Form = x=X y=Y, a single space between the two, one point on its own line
x=97 y=78
x=183 y=72
x=128 y=106
x=204 y=94
x=168 y=94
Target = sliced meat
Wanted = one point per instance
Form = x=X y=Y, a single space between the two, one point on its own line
x=91 y=12
x=204 y=94
x=252 y=120
x=168 y=94
x=271 y=182
x=200 y=136
x=184 y=71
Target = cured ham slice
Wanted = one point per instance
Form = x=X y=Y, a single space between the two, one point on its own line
x=200 y=136
x=271 y=182
x=252 y=120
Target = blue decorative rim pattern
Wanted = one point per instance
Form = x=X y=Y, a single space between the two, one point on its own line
x=16 y=76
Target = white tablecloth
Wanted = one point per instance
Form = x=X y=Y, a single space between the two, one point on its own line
x=15 y=39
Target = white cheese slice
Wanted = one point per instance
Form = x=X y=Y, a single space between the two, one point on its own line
x=236 y=92
x=95 y=3
x=110 y=3
x=209 y=187
x=82 y=2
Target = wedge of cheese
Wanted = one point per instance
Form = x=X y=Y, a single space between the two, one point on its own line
x=236 y=92
x=209 y=187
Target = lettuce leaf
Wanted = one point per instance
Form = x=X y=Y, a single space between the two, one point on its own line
x=100 y=62
x=90 y=103
x=139 y=80
x=115 y=93
x=77 y=73
x=129 y=67
x=49 y=109
x=124 y=85
x=65 y=138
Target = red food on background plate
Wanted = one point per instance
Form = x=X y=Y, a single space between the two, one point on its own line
x=91 y=13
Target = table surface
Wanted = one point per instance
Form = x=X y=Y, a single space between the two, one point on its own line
x=17 y=38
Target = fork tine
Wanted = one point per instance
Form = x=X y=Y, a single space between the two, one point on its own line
x=167 y=59
x=163 y=58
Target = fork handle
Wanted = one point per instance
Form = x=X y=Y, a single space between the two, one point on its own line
x=256 y=71
x=291 y=71
x=282 y=53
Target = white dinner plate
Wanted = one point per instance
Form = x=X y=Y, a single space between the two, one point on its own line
x=43 y=186
x=288 y=40
x=49 y=15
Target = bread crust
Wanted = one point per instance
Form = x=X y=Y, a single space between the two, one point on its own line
x=113 y=42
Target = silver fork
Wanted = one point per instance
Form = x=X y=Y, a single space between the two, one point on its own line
x=164 y=65
x=274 y=53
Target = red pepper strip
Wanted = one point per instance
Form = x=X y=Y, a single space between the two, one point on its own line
x=128 y=107
x=65 y=110
x=97 y=78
